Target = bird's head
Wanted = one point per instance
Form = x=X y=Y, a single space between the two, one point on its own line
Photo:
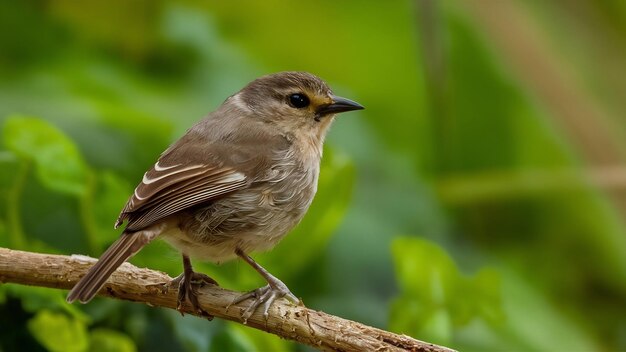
x=294 y=102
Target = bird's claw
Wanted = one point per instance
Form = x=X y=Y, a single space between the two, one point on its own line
x=265 y=296
x=188 y=289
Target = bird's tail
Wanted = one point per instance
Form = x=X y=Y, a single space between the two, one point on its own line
x=125 y=247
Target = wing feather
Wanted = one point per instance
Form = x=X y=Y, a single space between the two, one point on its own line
x=166 y=190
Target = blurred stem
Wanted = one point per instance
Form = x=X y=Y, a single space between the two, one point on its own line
x=487 y=186
x=427 y=14
x=87 y=216
x=525 y=47
x=17 y=237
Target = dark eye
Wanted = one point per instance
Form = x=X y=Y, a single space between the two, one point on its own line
x=299 y=100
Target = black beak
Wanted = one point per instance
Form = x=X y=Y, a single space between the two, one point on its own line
x=339 y=104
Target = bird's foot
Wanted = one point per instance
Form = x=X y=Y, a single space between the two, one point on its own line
x=265 y=296
x=188 y=284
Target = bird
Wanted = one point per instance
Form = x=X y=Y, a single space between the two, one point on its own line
x=235 y=183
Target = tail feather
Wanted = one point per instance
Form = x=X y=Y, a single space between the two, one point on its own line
x=125 y=247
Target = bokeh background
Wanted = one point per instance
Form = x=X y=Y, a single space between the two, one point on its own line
x=478 y=202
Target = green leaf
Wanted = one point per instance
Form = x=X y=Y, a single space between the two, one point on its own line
x=106 y=340
x=538 y=322
x=435 y=297
x=58 y=332
x=259 y=340
x=59 y=164
x=111 y=194
x=439 y=326
x=8 y=163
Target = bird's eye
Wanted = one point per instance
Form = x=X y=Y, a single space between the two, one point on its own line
x=299 y=100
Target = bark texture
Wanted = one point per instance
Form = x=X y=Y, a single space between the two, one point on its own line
x=318 y=329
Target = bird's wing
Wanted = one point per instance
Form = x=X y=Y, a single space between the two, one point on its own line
x=170 y=188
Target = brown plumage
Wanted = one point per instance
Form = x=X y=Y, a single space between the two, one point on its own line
x=236 y=182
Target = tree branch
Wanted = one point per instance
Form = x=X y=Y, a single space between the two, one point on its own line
x=298 y=323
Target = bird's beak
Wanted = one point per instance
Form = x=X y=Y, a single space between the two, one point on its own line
x=339 y=104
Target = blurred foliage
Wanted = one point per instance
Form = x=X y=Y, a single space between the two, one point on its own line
x=494 y=132
x=57 y=332
x=434 y=297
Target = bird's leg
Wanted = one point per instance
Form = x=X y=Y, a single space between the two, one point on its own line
x=187 y=283
x=265 y=295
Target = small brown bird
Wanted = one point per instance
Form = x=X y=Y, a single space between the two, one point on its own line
x=237 y=182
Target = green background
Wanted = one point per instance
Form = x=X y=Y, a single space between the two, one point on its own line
x=478 y=202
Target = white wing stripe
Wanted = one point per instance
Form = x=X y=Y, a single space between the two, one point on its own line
x=158 y=167
x=146 y=180
x=188 y=186
x=138 y=197
x=188 y=201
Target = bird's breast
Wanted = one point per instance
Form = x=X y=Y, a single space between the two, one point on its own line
x=255 y=218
